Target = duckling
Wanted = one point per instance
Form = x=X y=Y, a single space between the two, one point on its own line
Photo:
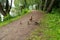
x=30 y=18
x=36 y=23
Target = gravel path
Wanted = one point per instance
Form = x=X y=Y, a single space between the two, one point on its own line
x=20 y=29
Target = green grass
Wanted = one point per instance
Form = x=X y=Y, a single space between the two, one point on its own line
x=49 y=28
x=8 y=19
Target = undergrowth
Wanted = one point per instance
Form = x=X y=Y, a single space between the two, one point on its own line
x=49 y=28
x=8 y=19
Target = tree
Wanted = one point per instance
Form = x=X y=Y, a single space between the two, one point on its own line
x=45 y=4
x=40 y=6
x=7 y=7
x=50 y=6
x=1 y=10
x=25 y=3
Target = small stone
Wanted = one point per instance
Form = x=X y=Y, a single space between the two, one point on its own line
x=28 y=23
x=20 y=22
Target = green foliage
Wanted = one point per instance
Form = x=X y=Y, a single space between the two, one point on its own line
x=24 y=11
x=17 y=3
x=8 y=19
x=52 y=23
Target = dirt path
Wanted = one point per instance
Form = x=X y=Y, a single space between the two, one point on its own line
x=20 y=29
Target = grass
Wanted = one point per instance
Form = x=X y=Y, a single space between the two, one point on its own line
x=49 y=28
x=8 y=19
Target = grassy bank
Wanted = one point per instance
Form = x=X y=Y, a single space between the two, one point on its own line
x=8 y=19
x=49 y=28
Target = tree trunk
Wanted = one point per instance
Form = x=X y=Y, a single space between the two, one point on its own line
x=40 y=6
x=11 y=4
x=25 y=3
x=50 y=6
x=7 y=6
x=45 y=5
x=2 y=11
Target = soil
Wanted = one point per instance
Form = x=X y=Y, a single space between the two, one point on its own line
x=21 y=29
